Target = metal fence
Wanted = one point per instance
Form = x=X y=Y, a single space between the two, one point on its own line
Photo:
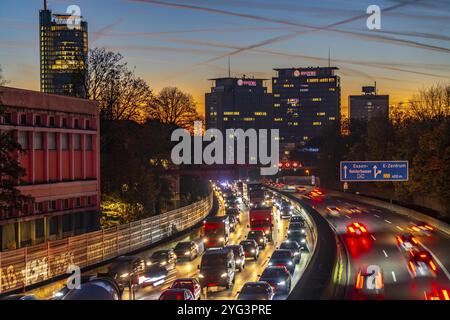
x=27 y=266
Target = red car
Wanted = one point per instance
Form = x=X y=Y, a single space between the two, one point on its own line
x=438 y=294
x=407 y=242
x=191 y=284
x=421 y=264
x=176 y=294
x=357 y=229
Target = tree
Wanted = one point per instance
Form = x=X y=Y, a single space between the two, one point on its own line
x=431 y=103
x=120 y=93
x=10 y=172
x=2 y=79
x=174 y=107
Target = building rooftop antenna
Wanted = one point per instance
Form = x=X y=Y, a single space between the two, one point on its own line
x=329 y=57
x=45 y=4
x=229 y=67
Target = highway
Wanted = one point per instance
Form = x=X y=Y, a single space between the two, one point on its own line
x=185 y=269
x=381 y=248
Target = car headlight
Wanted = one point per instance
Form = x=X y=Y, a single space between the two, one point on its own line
x=149 y=263
x=223 y=275
x=124 y=275
x=290 y=263
x=261 y=240
x=200 y=275
x=253 y=251
x=295 y=253
x=281 y=283
x=205 y=240
x=222 y=239
x=266 y=232
x=231 y=225
x=303 y=230
x=270 y=263
x=303 y=240
x=187 y=253
x=58 y=294
x=291 y=207
x=163 y=263
x=289 y=231
x=238 y=261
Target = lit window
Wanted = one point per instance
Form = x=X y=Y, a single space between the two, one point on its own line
x=332 y=118
x=320 y=113
x=317 y=123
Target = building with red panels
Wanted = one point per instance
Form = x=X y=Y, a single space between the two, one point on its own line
x=60 y=136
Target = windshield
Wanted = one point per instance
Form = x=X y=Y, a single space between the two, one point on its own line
x=281 y=255
x=254 y=235
x=214 y=261
x=160 y=254
x=182 y=284
x=273 y=273
x=253 y=289
x=183 y=246
x=290 y=245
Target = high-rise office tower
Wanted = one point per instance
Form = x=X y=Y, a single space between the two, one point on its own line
x=368 y=105
x=63 y=53
x=305 y=101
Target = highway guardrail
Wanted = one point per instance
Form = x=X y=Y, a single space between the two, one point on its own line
x=39 y=263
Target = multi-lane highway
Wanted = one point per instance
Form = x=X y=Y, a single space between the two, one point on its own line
x=188 y=269
x=380 y=247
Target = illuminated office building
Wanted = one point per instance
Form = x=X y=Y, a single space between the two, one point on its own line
x=63 y=53
x=238 y=103
x=368 y=105
x=305 y=101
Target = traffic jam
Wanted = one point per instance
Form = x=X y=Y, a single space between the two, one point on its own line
x=391 y=256
x=254 y=248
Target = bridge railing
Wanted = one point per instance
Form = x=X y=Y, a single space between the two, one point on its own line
x=30 y=265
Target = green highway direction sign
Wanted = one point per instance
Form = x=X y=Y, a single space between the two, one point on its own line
x=374 y=171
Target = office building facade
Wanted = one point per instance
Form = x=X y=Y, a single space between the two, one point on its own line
x=305 y=101
x=63 y=53
x=368 y=105
x=60 y=137
x=235 y=103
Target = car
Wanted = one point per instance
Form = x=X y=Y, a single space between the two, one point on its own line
x=176 y=294
x=421 y=228
x=357 y=229
x=333 y=211
x=239 y=256
x=233 y=222
x=297 y=226
x=126 y=270
x=187 y=250
x=438 y=294
x=301 y=189
x=259 y=290
x=283 y=258
x=296 y=218
x=164 y=258
x=369 y=283
x=251 y=248
x=234 y=212
x=286 y=213
x=58 y=295
x=259 y=237
x=300 y=237
x=353 y=209
x=191 y=284
x=421 y=264
x=217 y=269
x=156 y=275
x=294 y=247
x=100 y=288
x=407 y=242
x=279 y=279
x=20 y=297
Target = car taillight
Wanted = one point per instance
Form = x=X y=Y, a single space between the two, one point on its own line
x=433 y=266
x=411 y=266
x=445 y=295
x=429 y=228
x=399 y=240
x=359 y=281
x=351 y=229
x=414 y=240
x=363 y=229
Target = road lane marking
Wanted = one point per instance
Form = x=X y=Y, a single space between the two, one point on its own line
x=399 y=228
x=447 y=274
x=373 y=237
x=393 y=276
x=385 y=254
x=347 y=216
x=388 y=221
x=376 y=216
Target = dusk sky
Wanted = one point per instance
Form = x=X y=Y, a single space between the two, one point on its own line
x=184 y=43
